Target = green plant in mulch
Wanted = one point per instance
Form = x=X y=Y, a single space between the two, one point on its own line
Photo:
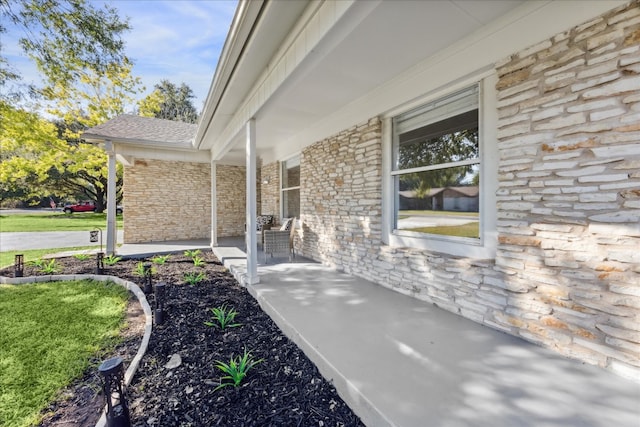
x=192 y=253
x=223 y=317
x=198 y=261
x=139 y=270
x=236 y=369
x=49 y=267
x=112 y=259
x=160 y=259
x=82 y=257
x=37 y=263
x=194 y=278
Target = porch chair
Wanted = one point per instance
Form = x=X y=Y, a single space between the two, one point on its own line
x=281 y=240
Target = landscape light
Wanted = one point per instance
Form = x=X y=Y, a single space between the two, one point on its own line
x=113 y=388
x=160 y=296
x=100 y=263
x=18 y=266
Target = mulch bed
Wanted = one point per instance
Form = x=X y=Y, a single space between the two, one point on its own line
x=285 y=389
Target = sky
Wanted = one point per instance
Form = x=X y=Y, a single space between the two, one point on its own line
x=178 y=40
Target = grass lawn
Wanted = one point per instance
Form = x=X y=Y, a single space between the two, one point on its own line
x=57 y=221
x=465 y=230
x=8 y=258
x=48 y=333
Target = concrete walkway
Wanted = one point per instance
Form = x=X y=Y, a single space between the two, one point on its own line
x=22 y=241
x=398 y=361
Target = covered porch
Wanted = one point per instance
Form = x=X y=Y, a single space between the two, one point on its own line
x=399 y=361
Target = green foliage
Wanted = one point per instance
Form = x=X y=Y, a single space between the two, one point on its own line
x=160 y=259
x=82 y=257
x=49 y=267
x=7 y=258
x=79 y=51
x=38 y=263
x=223 y=317
x=192 y=278
x=236 y=369
x=111 y=259
x=169 y=102
x=65 y=38
x=49 y=334
x=433 y=150
x=198 y=261
x=192 y=253
x=139 y=270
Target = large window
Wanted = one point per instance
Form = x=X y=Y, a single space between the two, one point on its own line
x=291 y=188
x=436 y=168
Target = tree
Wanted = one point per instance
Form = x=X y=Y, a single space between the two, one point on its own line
x=444 y=147
x=65 y=38
x=37 y=159
x=80 y=53
x=167 y=101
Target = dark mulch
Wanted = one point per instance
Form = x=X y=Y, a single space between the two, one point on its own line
x=286 y=389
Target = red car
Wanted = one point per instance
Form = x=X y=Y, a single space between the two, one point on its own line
x=80 y=207
x=85 y=207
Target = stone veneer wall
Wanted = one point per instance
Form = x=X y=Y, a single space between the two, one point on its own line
x=167 y=200
x=231 y=196
x=567 y=270
x=270 y=193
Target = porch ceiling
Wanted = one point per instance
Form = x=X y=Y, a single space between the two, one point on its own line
x=371 y=43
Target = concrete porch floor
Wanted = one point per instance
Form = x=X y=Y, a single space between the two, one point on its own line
x=398 y=361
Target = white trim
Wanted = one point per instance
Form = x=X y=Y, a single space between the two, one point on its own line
x=281 y=163
x=214 y=204
x=251 y=205
x=112 y=235
x=467 y=162
x=485 y=246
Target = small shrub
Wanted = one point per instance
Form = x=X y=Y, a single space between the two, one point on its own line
x=222 y=317
x=37 y=263
x=198 y=262
x=112 y=259
x=82 y=257
x=194 y=278
x=160 y=259
x=139 y=270
x=49 y=267
x=192 y=253
x=236 y=369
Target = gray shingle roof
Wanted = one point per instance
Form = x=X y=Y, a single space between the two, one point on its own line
x=137 y=129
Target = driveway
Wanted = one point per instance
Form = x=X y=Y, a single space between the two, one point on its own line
x=48 y=239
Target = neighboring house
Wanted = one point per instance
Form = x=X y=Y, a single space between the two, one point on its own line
x=464 y=199
x=317 y=105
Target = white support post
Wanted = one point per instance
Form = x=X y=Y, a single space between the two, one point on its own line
x=111 y=198
x=214 y=205
x=251 y=220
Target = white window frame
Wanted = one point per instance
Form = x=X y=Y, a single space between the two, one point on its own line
x=485 y=246
x=282 y=189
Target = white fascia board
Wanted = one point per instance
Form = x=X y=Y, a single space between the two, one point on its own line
x=525 y=26
x=128 y=153
x=242 y=25
x=316 y=23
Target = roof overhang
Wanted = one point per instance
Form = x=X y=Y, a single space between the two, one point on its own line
x=305 y=70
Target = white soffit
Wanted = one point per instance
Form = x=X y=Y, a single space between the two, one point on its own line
x=379 y=55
